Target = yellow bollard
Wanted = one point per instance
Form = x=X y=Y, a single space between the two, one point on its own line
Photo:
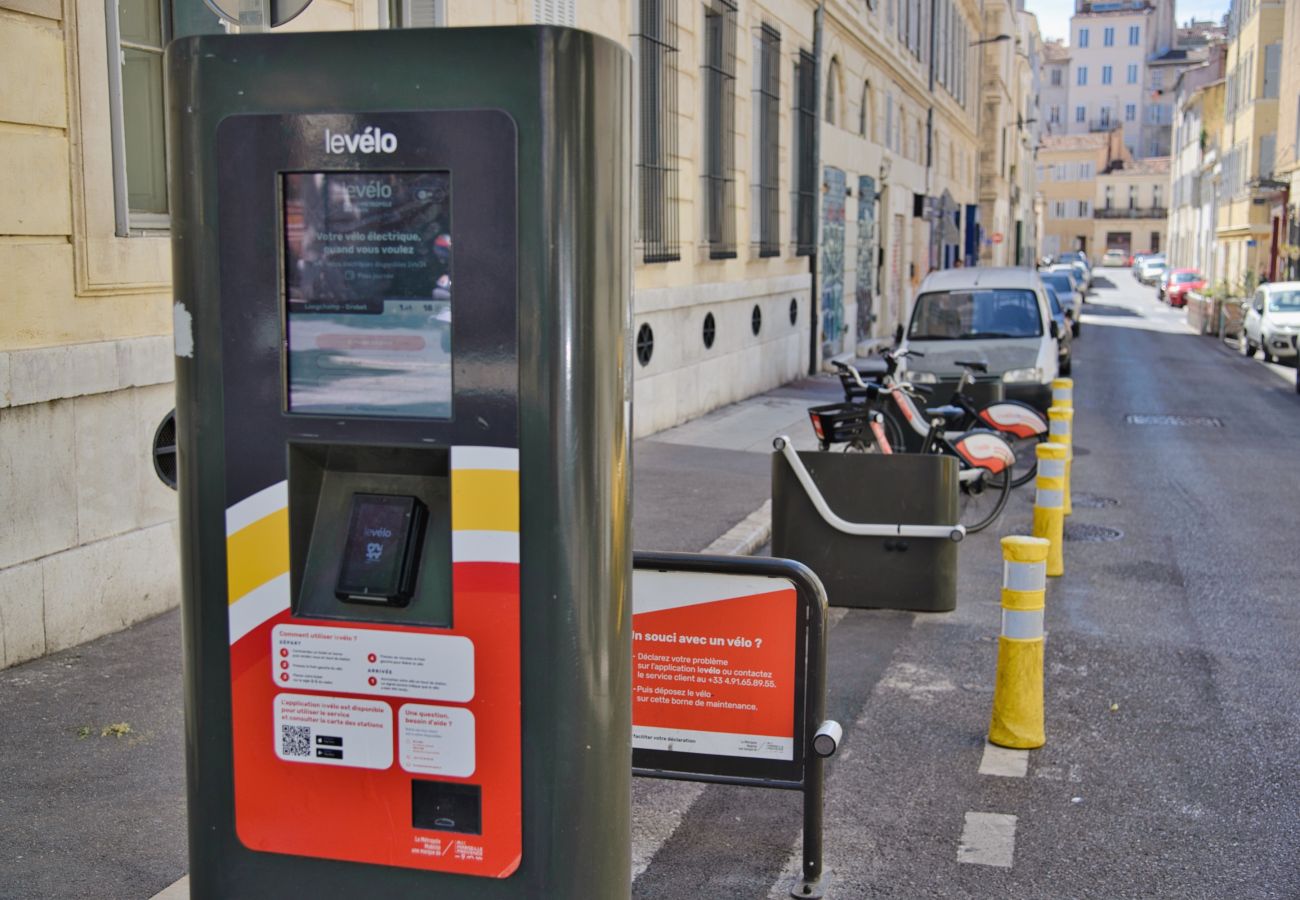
x=1049 y=502
x=1063 y=392
x=1060 y=430
x=1018 y=692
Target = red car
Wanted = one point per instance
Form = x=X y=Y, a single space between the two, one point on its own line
x=1180 y=281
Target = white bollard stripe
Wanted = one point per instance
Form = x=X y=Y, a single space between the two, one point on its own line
x=1059 y=428
x=1022 y=624
x=1051 y=468
x=1022 y=576
x=1049 y=499
x=1061 y=394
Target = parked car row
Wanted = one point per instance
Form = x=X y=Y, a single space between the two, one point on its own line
x=1272 y=322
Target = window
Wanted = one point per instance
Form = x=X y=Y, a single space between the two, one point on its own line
x=1157 y=79
x=1155 y=196
x=1134 y=35
x=1056 y=77
x=1083 y=37
x=1130 y=112
x=1131 y=76
x=1132 y=196
x=1272 y=70
x=136 y=115
x=1106 y=74
x=720 y=128
x=1267 y=152
x=804 y=199
x=1058 y=209
x=864 y=111
x=656 y=51
x=545 y=12
x=832 y=89
x=1081 y=76
x=1054 y=115
x=764 y=233
x=1110 y=196
x=1084 y=208
x=1081 y=114
x=1108 y=37
x=1085 y=171
x=1104 y=112
x=889 y=121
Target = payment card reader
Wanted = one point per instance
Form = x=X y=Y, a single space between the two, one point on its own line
x=402 y=295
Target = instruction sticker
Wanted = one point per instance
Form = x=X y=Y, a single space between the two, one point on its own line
x=372 y=661
x=713 y=664
x=436 y=740
x=333 y=731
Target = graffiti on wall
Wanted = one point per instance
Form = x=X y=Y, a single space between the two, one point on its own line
x=865 y=282
x=831 y=264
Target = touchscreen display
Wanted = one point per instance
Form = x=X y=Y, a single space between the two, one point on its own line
x=368 y=283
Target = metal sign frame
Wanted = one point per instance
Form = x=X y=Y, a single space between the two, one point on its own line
x=805 y=772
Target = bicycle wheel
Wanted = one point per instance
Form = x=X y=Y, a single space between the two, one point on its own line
x=1026 y=466
x=981 y=498
x=893 y=432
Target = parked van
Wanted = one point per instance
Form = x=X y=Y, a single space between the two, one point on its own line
x=1000 y=317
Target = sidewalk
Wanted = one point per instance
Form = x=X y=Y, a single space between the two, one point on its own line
x=92 y=742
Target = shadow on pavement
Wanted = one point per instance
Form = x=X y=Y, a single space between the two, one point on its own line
x=1104 y=309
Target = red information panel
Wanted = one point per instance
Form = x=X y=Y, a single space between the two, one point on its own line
x=714 y=664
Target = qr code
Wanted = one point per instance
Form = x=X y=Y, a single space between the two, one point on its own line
x=295 y=740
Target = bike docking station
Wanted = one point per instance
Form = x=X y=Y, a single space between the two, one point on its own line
x=402 y=283
x=729 y=680
x=888 y=541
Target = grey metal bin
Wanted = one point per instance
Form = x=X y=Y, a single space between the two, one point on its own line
x=878 y=529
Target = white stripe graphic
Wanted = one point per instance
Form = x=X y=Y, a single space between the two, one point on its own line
x=1059 y=428
x=1049 y=499
x=1022 y=624
x=988 y=839
x=258 y=606
x=1051 y=468
x=485 y=546
x=1022 y=576
x=257 y=506
x=1061 y=394
x=654 y=591
x=470 y=457
x=1004 y=761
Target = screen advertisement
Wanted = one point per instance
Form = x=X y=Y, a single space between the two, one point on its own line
x=368 y=283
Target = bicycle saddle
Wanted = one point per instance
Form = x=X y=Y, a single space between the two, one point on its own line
x=948 y=413
x=977 y=366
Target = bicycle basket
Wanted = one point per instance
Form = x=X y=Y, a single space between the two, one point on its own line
x=837 y=423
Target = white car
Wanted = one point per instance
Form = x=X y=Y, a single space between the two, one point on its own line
x=1151 y=269
x=1272 y=321
x=998 y=316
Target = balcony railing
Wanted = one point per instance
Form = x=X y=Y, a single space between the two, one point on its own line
x=1102 y=124
x=1131 y=212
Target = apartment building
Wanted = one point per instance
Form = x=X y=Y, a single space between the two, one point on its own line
x=1054 y=93
x=1068 y=168
x=1284 y=239
x=1130 y=206
x=1009 y=116
x=1198 y=123
x=1111 y=43
x=1250 y=138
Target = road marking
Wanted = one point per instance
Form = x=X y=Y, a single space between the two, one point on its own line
x=988 y=839
x=180 y=890
x=1004 y=761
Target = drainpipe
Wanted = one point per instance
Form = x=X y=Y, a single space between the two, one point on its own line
x=934 y=259
x=814 y=325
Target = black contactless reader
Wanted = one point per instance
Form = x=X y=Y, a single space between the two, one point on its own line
x=382 y=549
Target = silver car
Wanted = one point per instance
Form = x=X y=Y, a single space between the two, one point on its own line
x=998 y=316
x=1272 y=321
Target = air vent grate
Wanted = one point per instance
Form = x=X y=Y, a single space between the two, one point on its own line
x=1181 y=421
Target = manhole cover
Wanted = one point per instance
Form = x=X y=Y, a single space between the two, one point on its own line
x=1090 y=534
x=1091 y=501
x=1199 y=421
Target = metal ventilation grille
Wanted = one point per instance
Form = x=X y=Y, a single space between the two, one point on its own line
x=164 y=450
x=1201 y=421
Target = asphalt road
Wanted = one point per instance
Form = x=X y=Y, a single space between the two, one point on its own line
x=1172 y=763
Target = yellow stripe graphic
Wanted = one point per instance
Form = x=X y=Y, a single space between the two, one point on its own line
x=484 y=500
x=257 y=553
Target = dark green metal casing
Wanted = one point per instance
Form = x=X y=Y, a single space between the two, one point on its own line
x=566 y=92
